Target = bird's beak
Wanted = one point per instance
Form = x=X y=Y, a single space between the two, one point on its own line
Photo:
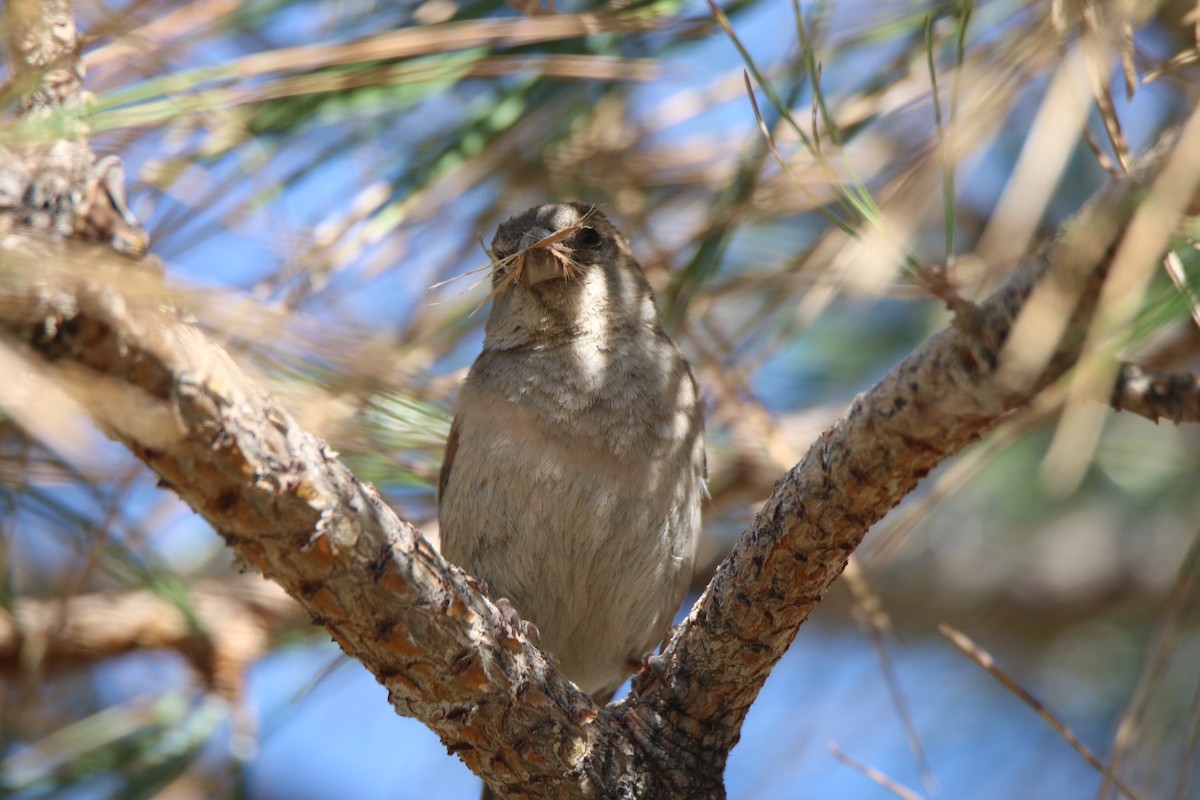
x=540 y=265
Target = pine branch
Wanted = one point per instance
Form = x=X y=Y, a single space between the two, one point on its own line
x=284 y=503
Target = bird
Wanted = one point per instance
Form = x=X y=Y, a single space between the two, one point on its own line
x=574 y=472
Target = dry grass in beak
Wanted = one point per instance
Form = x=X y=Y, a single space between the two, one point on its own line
x=561 y=253
x=493 y=264
x=553 y=244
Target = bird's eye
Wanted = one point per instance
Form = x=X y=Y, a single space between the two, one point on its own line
x=587 y=237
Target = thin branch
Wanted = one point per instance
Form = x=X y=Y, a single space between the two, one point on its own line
x=984 y=659
x=896 y=788
x=873 y=619
x=1167 y=639
x=223 y=628
x=1157 y=395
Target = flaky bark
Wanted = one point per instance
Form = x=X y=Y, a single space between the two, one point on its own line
x=44 y=46
x=284 y=503
x=289 y=507
x=98 y=327
x=934 y=403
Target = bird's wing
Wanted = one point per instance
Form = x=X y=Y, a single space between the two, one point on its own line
x=447 y=462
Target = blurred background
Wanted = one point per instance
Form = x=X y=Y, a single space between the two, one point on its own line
x=317 y=178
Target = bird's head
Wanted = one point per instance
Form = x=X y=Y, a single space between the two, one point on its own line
x=563 y=269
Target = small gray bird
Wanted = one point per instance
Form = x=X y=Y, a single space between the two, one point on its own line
x=575 y=466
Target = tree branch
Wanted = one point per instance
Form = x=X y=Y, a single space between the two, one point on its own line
x=284 y=503
x=1157 y=395
x=101 y=329
x=44 y=45
x=221 y=628
x=933 y=404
